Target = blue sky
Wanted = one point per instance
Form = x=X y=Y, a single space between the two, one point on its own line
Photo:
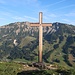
x=28 y=10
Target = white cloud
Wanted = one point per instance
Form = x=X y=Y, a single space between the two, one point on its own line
x=2 y=2
x=49 y=15
x=46 y=17
x=5 y=14
x=52 y=15
x=70 y=14
x=18 y=18
x=68 y=21
x=64 y=7
x=28 y=17
x=30 y=1
x=55 y=3
x=1 y=18
x=24 y=2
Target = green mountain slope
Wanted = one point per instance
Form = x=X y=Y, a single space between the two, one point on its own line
x=19 y=41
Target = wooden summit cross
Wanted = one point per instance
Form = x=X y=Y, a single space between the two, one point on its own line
x=40 y=25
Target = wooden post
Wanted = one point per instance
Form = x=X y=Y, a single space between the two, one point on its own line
x=40 y=37
x=40 y=24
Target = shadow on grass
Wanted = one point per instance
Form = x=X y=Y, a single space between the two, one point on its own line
x=45 y=72
x=29 y=72
x=33 y=72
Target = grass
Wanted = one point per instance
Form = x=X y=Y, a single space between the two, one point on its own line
x=73 y=44
x=9 y=68
x=25 y=61
x=1 y=43
x=71 y=59
x=58 y=54
x=47 y=47
x=26 y=40
x=20 y=60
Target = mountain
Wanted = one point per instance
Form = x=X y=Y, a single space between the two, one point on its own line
x=19 y=42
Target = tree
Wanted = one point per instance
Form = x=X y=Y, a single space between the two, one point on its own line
x=61 y=38
x=56 y=46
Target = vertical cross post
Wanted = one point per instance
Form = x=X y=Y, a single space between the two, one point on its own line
x=40 y=37
x=40 y=25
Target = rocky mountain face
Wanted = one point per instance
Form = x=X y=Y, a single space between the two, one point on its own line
x=18 y=29
x=20 y=41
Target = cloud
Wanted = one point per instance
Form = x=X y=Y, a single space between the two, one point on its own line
x=49 y=15
x=66 y=20
x=55 y=3
x=65 y=7
x=69 y=21
x=28 y=17
x=46 y=17
x=30 y=1
x=72 y=14
x=24 y=18
x=6 y=13
x=1 y=18
x=52 y=15
x=18 y=18
x=2 y=2
x=24 y=2
x=17 y=3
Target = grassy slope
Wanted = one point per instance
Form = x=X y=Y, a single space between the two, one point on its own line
x=11 y=68
x=7 y=68
x=71 y=59
x=1 y=43
x=47 y=47
x=58 y=54
x=70 y=56
x=26 y=40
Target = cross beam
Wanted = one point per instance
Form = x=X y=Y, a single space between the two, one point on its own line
x=43 y=24
x=40 y=25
